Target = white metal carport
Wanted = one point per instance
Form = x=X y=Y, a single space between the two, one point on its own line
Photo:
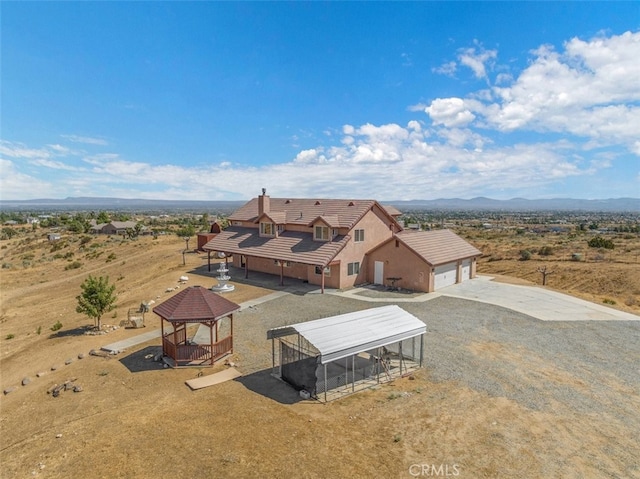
x=386 y=340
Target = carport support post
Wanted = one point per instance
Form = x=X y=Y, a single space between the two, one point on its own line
x=273 y=356
x=353 y=373
x=325 y=382
x=208 y=260
x=421 y=348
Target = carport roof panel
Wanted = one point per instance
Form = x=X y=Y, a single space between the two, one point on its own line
x=340 y=336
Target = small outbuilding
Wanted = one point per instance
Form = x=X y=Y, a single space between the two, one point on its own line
x=339 y=355
x=196 y=318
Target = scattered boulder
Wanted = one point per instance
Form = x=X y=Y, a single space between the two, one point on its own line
x=54 y=367
x=77 y=389
x=40 y=374
x=26 y=381
x=68 y=361
x=9 y=390
x=81 y=356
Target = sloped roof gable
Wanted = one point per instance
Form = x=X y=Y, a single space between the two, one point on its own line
x=439 y=246
x=195 y=304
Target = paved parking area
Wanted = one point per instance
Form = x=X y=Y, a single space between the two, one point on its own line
x=540 y=303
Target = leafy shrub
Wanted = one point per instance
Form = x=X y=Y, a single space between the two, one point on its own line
x=600 y=242
x=545 y=251
x=74 y=265
x=525 y=255
x=9 y=336
x=111 y=257
x=608 y=301
x=57 y=326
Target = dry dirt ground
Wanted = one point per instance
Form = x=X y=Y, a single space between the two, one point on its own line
x=136 y=419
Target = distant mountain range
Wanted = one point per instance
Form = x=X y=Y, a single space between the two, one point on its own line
x=522 y=204
x=453 y=204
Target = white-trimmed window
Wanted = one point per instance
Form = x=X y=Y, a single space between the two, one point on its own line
x=353 y=268
x=267 y=229
x=321 y=233
x=358 y=236
x=286 y=264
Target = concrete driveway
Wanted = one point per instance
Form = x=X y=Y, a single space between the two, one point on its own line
x=538 y=302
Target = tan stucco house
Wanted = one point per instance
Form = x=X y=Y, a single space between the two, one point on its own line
x=340 y=243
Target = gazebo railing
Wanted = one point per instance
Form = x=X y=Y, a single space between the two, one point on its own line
x=197 y=352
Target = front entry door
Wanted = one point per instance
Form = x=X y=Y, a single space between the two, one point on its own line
x=378 y=272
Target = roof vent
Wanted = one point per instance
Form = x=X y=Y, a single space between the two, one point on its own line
x=351 y=203
x=317 y=202
x=287 y=202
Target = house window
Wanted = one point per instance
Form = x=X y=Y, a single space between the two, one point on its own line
x=327 y=270
x=358 y=236
x=286 y=264
x=353 y=268
x=266 y=229
x=321 y=233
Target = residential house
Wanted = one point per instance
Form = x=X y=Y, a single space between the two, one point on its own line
x=340 y=243
x=113 y=228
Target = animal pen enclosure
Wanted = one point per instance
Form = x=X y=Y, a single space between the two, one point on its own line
x=336 y=356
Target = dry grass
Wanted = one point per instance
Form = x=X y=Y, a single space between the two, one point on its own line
x=148 y=424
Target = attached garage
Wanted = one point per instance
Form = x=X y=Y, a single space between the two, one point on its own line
x=422 y=260
x=336 y=356
x=445 y=275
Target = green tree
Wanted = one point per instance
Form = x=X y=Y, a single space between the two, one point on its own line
x=103 y=217
x=97 y=298
x=8 y=233
x=186 y=233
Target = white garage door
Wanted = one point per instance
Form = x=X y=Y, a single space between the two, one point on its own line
x=445 y=275
x=466 y=270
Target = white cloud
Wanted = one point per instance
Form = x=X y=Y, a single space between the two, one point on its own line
x=450 y=112
x=589 y=90
x=477 y=59
x=85 y=139
x=14 y=184
x=448 y=69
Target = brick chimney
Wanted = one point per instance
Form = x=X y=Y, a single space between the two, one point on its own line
x=263 y=202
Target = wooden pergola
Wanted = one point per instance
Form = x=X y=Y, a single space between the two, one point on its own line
x=196 y=305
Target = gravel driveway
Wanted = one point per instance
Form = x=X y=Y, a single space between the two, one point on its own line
x=589 y=367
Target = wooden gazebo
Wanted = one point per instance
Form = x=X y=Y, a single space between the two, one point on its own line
x=211 y=311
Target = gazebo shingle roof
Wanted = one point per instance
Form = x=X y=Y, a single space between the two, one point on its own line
x=195 y=304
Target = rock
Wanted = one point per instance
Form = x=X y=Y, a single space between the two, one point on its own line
x=68 y=361
x=77 y=389
x=26 y=381
x=9 y=390
x=158 y=357
x=40 y=374
x=81 y=356
x=58 y=436
x=54 y=367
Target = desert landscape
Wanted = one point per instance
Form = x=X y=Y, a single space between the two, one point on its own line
x=501 y=394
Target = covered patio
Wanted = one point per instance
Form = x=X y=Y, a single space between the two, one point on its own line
x=339 y=355
x=182 y=342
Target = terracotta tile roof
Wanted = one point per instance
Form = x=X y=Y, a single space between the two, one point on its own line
x=302 y=211
x=331 y=221
x=195 y=304
x=293 y=246
x=439 y=246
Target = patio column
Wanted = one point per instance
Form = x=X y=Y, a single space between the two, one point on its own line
x=322 y=279
x=281 y=273
x=208 y=260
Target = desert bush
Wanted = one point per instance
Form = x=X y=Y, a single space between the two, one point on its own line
x=85 y=239
x=10 y=336
x=600 y=242
x=111 y=257
x=545 y=251
x=630 y=301
x=57 y=326
x=74 y=265
x=525 y=255
x=608 y=301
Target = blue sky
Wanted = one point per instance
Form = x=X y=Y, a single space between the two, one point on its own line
x=392 y=101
